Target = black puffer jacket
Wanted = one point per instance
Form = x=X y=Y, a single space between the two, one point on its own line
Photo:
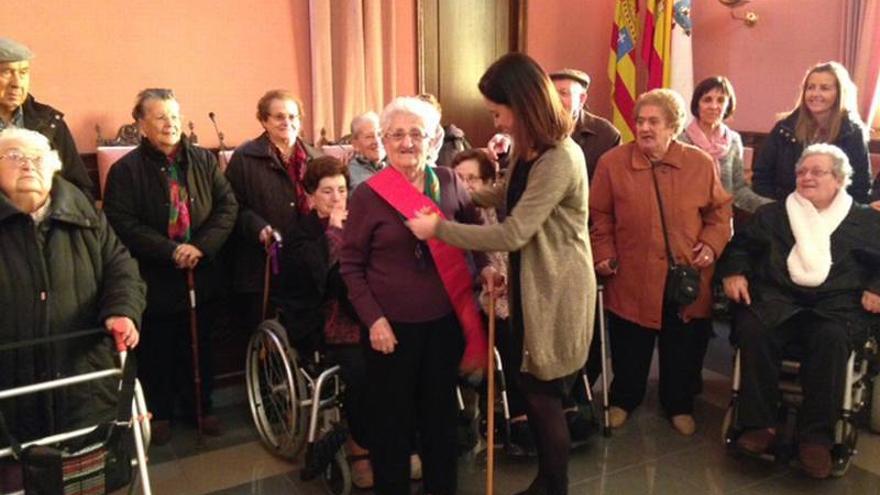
x=50 y=123
x=73 y=280
x=774 y=168
x=137 y=199
x=266 y=196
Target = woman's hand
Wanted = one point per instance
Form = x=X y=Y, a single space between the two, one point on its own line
x=266 y=235
x=875 y=205
x=498 y=145
x=736 y=287
x=382 y=337
x=187 y=256
x=606 y=267
x=703 y=255
x=424 y=224
x=494 y=279
x=126 y=329
x=338 y=216
x=871 y=302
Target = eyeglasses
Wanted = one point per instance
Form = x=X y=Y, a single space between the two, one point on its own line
x=415 y=136
x=281 y=117
x=20 y=159
x=803 y=172
x=471 y=179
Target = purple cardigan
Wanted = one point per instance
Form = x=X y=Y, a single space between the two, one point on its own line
x=378 y=259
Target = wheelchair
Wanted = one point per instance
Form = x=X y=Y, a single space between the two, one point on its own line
x=295 y=403
x=861 y=401
x=596 y=421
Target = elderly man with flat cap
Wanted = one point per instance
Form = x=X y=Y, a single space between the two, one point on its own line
x=20 y=109
x=594 y=134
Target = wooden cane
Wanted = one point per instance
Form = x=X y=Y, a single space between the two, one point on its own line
x=490 y=396
x=267 y=277
x=194 y=335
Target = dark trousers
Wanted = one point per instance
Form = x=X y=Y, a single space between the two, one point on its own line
x=681 y=347
x=826 y=348
x=355 y=402
x=413 y=390
x=165 y=361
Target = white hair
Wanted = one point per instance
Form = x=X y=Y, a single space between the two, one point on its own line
x=34 y=143
x=840 y=166
x=411 y=105
x=362 y=119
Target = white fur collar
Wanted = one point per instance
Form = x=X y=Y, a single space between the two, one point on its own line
x=809 y=261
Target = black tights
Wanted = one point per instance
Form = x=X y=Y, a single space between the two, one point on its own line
x=547 y=421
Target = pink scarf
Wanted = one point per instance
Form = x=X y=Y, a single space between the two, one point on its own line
x=717 y=145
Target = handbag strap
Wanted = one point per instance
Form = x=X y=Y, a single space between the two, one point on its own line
x=662 y=216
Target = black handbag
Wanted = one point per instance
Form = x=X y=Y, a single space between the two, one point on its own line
x=682 y=281
x=100 y=464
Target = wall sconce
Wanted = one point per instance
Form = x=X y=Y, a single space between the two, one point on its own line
x=749 y=18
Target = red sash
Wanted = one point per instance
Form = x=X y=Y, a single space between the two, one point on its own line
x=393 y=187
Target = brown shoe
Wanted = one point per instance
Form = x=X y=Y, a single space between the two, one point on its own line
x=756 y=441
x=616 y=417
x=684 y=424
x=212 y=426
x=815 y=460
x=160 y=432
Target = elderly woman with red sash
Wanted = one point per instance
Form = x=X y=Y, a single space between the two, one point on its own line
x=416 y=299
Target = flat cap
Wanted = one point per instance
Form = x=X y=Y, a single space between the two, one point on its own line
x=13 y=51
x=573 y=74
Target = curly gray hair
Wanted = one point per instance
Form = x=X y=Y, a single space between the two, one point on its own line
x=840 y=166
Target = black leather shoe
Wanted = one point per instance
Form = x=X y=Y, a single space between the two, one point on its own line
x=160 y=432
x=521 y=442
x=579 y=427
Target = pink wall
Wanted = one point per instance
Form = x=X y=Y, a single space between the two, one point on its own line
x=574 y=33
x=93 y=56
x=765 y=63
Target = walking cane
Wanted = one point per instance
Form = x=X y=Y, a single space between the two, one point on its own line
x=194 y=335
x=606 y=428
x=490 y=398
x=273 y=244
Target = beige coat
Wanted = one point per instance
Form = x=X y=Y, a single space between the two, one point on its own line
x=549 y=228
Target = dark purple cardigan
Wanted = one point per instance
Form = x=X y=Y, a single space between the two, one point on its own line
x=379 y=263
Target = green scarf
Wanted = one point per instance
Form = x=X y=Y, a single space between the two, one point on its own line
x=432 y=185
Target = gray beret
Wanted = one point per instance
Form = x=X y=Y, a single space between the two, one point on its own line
x=13 y=51
x=573 y=74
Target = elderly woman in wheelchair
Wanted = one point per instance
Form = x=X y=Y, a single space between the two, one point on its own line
x=319 y=333
x=805 y=271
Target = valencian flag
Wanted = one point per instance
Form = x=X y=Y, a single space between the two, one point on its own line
x=666 y=46
x=622 y=67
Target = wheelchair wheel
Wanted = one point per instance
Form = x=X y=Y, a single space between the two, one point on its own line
x=875 y=405
x=275 y=389
x=337 y=476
